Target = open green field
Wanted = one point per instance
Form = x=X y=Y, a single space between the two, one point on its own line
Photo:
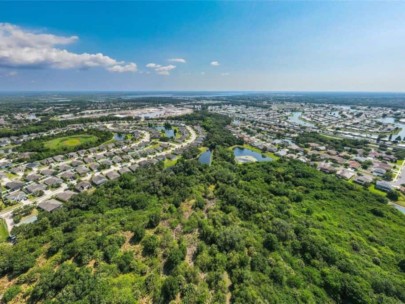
x=170 y=162
x=374 y=190
x=69 y=141
x=3 y=231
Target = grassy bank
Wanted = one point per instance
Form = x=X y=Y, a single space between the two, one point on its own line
x=3 y=231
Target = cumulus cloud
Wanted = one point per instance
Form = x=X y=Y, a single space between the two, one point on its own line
x=24 y=48
x=214 y=63
x=161 y=69
x=179 y=60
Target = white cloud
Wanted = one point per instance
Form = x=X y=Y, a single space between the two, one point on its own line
x=214 y=63
x=161 y=69
x=23 y=48
x=179 y=60
x=225 y=74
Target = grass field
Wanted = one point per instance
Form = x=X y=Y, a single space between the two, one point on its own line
x=170 y=162
x=374 y=190
x=3 y=231
x=69 y=141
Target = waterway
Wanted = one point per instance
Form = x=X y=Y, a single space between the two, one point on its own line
x=295 y=118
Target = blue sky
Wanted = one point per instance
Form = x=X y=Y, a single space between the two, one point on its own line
x=286 y=45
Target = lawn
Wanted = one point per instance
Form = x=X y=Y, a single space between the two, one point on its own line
x=170 y=162
x=373 y=189
x=3 y=231
x=69 y=141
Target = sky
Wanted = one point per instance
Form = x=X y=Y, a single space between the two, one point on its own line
x=207 y=45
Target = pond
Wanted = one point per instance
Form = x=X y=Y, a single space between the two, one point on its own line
x=205 y=157
x=244 y=155
x=119 y=137
x=168 y=132
x=295 y=118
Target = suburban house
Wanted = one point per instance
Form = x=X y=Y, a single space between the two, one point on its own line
x=65 y=196
x=363 y=180
x=14 y=185
x=53 y=182
x=83 y=186
x=50 y=205
x=384 y=186
x=35 y=189
x=112 y=175
x=16 y=196
x=98 y=180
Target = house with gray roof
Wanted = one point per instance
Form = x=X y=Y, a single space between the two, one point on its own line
x=65 y=196
x=14 y=185
x=82 y=170
x=53 y=182
x=112 y=175
x=94 y=166
x=48 y=172
x=33 y=177
x=82 y=186
x=77 y=163
x=68 y=176
x=384 y=186
x=50 y=205
x=16 y=196
x=124 y=170
x=35 y=189
x=98 y=180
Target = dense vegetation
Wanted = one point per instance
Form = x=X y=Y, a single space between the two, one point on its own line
x=278 y=232
x=70 y=141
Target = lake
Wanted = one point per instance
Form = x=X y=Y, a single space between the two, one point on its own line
x=205 y=157
x=168 y=132
x=244 y=155
x=295 y=118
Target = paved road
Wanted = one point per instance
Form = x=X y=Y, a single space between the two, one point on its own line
x=400 y=177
